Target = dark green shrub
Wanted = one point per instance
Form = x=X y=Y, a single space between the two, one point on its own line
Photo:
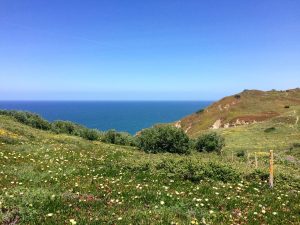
x=296 y=145
x=91 y=134
x=119 y=138
x=67 y=127
x=110 y=136
x=257 y=174
x=123 y=138
x=195 y=171
x=164 y=139
x=209 y=142
x=200 y=111
x=241 y=154
x=28 y=118
x=270 y=129
x=8 y=140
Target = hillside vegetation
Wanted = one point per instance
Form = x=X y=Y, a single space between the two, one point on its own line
x=58 y=178
x=247 y=107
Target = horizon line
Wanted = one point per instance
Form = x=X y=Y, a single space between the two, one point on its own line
x=101 y=100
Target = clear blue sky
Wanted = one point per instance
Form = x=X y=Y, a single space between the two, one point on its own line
x=146 y=50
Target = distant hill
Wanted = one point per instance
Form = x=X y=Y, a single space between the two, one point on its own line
x=247 y=107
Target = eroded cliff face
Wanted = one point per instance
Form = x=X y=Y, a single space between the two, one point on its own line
x=247 y=107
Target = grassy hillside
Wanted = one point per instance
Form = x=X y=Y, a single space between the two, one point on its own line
x=247 y=107
x=48 y=178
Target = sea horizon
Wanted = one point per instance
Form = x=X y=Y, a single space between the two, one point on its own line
x=121 y=115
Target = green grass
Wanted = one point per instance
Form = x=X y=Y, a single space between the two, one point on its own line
x=47 y=178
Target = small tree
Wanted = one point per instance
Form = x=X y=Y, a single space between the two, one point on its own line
x=210 y=142
x=164 y=139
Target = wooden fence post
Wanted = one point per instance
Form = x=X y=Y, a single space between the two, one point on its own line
x=256 y=162
x=271 y=178
x=248 y=159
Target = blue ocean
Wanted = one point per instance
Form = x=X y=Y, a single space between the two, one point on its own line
x=129 y=116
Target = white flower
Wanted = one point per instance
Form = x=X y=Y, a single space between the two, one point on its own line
x=162 y=202
x=50 y=214
x=72 y=221
x=274 y=213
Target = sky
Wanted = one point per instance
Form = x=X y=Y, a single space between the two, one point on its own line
x=146 y=50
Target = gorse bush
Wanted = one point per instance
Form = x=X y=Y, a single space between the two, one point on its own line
x=164 y=139
x=209 y=142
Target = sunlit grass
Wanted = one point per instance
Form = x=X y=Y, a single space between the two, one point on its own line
x=58 y=179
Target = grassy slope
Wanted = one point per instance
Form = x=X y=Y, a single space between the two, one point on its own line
x=249 y=106
x=50 y=179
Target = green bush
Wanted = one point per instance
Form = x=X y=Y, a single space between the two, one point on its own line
x=8 y=140
x=270 y=129
x=28 y=118
x=210 y=142
x=67 y=127
x=241 y=154
x=200 y=111
x=91 y=134
x=119 y=138
x=296 y=145
x=110 y=136
x=164 y=139
x=195 y=171
x=124 y=138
